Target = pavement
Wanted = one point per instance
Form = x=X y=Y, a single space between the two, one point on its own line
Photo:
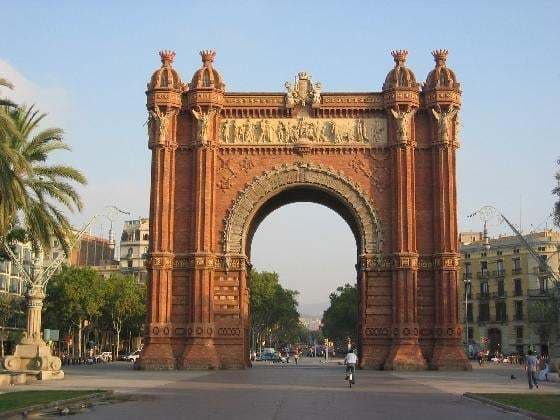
x=311 y=390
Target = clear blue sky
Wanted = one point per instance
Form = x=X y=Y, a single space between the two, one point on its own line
x=87 y=64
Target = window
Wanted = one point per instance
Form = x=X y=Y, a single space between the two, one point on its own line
x=518 y=310
x=468 y=290
x=516 y=251
x=501 y=291
x=483 y=312
x=498 y=252
x=145 y=236
x=518 y=291
x=470 y=312
x=471 y=333
x=500 y=267
x=467 y=256
x=468 y=272
x=516 y=265
x=129 y=253
x=543 y=284
x=3 y=282
x=14 y=283
x=519 y=333
x=483 y=254
x=501 y=315
x=129 y=263
x=484 y=267
x=484 y=288
x=542 y=248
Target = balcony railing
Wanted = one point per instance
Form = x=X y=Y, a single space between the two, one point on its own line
x=484 y=295
x=482 y=274
x=538 y=293
x=516 y=270
x=499 y=295
x=499 y=273
x=502 y=319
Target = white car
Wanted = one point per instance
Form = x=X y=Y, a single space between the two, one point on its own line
x=132 y=357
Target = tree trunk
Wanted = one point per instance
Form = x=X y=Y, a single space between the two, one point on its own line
x=80 y=338
x=118 y=330
x=2 y=340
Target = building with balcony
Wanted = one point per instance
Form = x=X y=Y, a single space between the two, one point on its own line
x=134 y=248
x=11 y=279
x=499 y=284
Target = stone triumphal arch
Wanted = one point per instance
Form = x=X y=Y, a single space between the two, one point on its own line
x=222 y=161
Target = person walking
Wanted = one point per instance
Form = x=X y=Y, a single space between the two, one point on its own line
x=531 y=369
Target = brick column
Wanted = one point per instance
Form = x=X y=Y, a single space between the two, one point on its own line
x=157 y=352
x=448 y=351
x=405 y=350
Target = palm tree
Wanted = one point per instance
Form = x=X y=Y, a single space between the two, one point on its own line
x=32 y=190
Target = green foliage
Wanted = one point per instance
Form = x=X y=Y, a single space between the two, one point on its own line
x=340 y=320
x=124 y=301
x=10 y=308
x=74 y=294
x=543 y=317
x=274 y=313
x=21 y=399
x=29 y=186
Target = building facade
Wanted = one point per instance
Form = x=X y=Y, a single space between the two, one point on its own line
x=502 y=282
x=11 y=279
x=222 y=161
x=134 y=248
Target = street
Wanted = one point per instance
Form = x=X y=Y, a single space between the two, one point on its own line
x=311 y=390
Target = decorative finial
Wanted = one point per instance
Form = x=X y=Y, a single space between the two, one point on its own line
x=167 y=57
x=399 y=56
x=207 y=56
x=440 y=56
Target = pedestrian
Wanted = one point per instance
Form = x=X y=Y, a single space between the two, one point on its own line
x=296 y=355
x=480 y=357
x=531 y=369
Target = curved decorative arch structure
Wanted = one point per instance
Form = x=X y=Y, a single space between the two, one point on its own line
x=222 y=161
x=264 y=187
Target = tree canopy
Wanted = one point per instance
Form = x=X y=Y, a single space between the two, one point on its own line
x=340 y=320
x=274 y=314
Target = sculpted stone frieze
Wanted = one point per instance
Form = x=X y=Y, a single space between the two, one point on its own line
x=370 y=131
x=267 y=185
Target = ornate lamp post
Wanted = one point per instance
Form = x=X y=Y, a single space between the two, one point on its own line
x=32 y=355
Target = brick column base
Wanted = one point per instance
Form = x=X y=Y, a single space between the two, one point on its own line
x=156 y=356
x=405 y=356
x=200 y=353
x=449 y=355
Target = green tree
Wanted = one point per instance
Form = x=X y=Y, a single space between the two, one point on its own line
x=29 y=185
x=340 y=320
x=124 y=304
x=543 y=317
x=274 y=313
x=75 y=297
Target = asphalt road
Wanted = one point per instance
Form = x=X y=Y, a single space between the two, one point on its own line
x=307 y=391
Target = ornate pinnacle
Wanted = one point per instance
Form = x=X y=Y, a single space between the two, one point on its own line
x=167 y=57
x=440 y=56
x=399 y=56
x=207 y=56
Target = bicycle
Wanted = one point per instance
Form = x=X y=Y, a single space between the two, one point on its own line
x=350 y=371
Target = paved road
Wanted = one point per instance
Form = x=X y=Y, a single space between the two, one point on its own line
x=308 y=391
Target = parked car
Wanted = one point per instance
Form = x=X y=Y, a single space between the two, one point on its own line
x=132 y=357
x=268 y=357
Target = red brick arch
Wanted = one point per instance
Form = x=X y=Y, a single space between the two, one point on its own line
x=222 y=161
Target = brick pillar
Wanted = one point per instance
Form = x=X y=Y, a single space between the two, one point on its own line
x=405 y=352
x=157 y=352
x=448 y=351
x=200 y=351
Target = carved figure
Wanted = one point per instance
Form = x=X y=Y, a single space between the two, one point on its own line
x=316 y=91
x=361 y=131
x=225 y=131
x=234 y=131
x=203 y=122
x=248 y=132
x=290 y=94
x=444 y=122
x=402 y=119
x=157 y=124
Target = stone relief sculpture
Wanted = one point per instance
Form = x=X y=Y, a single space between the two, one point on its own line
x=203 y=123
x=402 y=118
x=316 y=92
x=290 y=94
x=444 y=122
x=371 y=131
x=158 y=122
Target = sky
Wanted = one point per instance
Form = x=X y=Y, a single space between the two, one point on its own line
x=87 y=64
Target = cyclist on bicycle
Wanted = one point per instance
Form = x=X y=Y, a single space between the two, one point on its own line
x=350 y=361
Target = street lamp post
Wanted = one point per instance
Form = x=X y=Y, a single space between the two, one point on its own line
x=467 y=286
x=32 y=355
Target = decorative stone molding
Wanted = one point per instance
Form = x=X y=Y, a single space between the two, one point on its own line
x=273 y=181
